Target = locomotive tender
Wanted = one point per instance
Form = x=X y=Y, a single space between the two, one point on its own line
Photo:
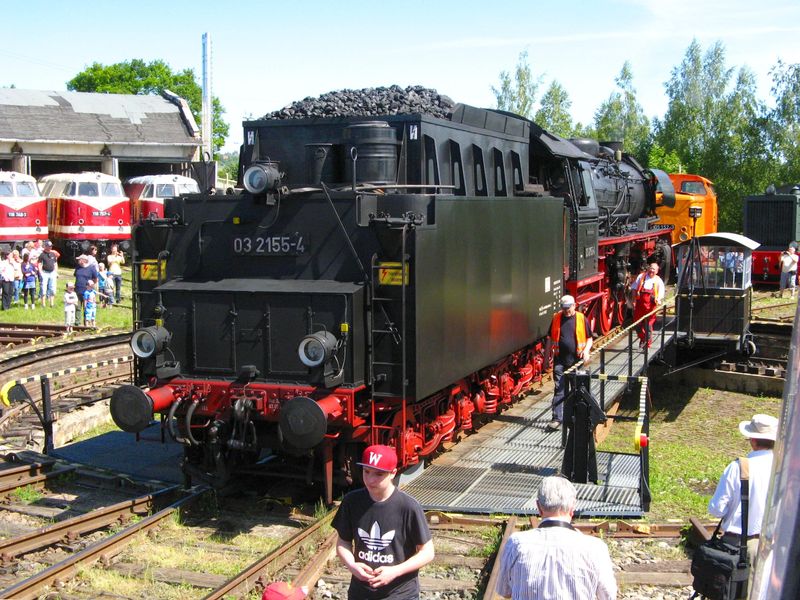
x=381 y=280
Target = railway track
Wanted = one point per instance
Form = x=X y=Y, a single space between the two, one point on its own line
x=16 y=334
x=58 y=366
x=79 y=555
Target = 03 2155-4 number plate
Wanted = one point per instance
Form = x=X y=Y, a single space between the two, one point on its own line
x=292 y=244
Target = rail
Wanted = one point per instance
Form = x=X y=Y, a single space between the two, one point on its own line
x=73 y=528
x=14 y=390
x=588 y=411
x=35 y=586
x=277 y=559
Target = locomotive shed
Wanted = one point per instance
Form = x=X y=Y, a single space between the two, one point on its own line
x=500 y=469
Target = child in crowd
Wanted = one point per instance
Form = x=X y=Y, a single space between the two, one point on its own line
x=29 y=272
x=89 y=304
x=70 y=304
x=105 y=283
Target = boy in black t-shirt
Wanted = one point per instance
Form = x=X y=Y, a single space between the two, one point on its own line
x=384 y=539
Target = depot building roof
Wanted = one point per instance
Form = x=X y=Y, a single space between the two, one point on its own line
x=54 y=123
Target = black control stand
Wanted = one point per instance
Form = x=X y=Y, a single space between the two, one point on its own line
x=581 y=414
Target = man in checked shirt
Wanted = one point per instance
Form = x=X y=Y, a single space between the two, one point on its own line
x=555 y=561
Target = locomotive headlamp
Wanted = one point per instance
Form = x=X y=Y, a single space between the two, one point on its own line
x=317 y=348
x=695 y=212
x=261 y=177
x=149 y=341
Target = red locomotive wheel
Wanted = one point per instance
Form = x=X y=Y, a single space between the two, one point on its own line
x=607 y=309
x=618 y=307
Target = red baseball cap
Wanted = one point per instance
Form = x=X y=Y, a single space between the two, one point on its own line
x=280 y=590
x=377 y=456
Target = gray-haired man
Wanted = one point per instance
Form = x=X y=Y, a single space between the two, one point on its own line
x=555 y=560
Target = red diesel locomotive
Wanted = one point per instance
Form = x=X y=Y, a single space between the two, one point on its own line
x=23 y=210
x=87 y=209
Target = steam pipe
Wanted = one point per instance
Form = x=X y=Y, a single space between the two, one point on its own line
x=170 y=426
x=188 y=423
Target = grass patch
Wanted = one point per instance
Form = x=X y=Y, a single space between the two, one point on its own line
x=97 y=431
x=492 y=537
x=694 y=434
x=107 y=318
x=174 y=546
x=104 y=580
x=27 y=494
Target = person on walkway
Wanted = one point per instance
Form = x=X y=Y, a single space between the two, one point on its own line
x=555 y=561
x=16 y=262
x=83 y=274
x=115 y=260
x=29 y=272
x=648 y=289
x=6 y=281
x=48 y=267
x=91 y=257
x=788 y=264
x=726 y=503
x=33 y=257
x=105 y=286
x=89 y=304
x=571 y=337
x=70 y=306
x=384 y=539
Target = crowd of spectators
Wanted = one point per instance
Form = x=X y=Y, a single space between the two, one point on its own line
x=29 y=278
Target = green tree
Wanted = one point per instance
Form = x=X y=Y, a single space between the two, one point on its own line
x=229 y=165
x=621 y=118
x=784 y=121
x=715 y=124
x=138 y=77
x=553 y=113
x=696 y=98
x=658 y=158
x=518 y=96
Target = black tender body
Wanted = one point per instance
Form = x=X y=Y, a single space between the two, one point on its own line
x=484 y=267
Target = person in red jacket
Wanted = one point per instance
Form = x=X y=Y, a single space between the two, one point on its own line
x=648 y=289
x=571 y=335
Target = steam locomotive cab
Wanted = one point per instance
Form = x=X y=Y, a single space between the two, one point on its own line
x=612 y=229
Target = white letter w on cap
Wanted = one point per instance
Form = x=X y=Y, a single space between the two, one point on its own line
x=375 y=459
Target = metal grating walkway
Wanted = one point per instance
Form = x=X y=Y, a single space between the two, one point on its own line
x=499 y=469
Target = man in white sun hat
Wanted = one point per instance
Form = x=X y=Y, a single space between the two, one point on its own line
x=726 y=503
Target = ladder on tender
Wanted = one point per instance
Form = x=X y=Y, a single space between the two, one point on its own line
x=388 y=319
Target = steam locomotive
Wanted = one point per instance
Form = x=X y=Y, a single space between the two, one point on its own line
x=386 y=280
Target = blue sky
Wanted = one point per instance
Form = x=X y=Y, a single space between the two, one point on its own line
x=267 y=54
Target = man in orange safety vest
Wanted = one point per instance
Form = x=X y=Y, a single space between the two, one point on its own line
x=571 y=335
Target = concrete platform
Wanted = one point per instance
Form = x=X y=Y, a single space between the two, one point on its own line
x=146 y=460
x=499 y=468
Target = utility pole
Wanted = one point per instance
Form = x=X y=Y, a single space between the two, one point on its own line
x=208 y=151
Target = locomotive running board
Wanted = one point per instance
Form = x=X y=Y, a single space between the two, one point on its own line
x=500 y=469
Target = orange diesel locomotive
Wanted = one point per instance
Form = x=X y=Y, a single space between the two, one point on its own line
x=691 y=191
